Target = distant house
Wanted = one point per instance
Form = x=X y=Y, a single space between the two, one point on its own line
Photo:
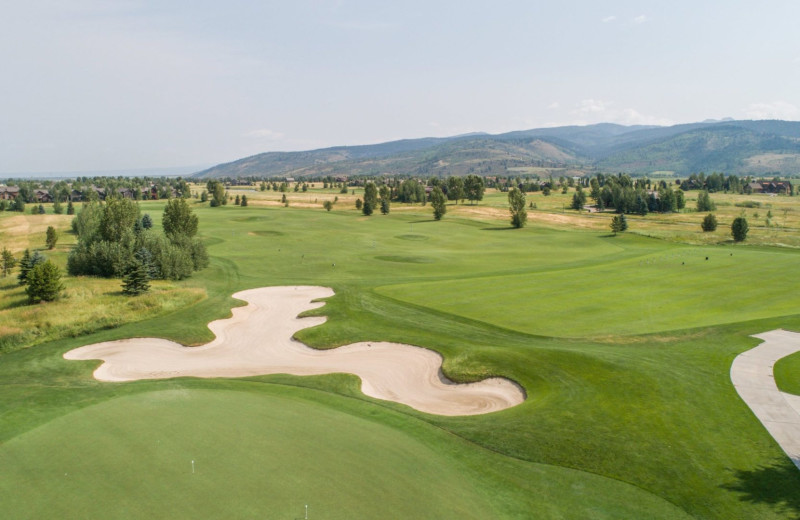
x=127 y=193
x=8 y=192
x=101 y=192
x=75 y=196
x=782 y=187
x=289 y=179
x=42 y=196
x=341 y=178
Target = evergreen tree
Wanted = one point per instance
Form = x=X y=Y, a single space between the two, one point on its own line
x=238 y=201
x=328 y=205
x=40 y=209
x=24 y=267
x=70 y=208
x=58 y=209
x=385 y=206
x=359 y=204
x=44 y=282
x=244 y=201
x=136 y=280
x=147 y=221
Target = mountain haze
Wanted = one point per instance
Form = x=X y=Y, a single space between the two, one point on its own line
x=733 y=147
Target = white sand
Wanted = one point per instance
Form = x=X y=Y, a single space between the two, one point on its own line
x=257 y=340
x=751 y=374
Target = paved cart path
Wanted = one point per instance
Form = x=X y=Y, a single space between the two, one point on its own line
x=257 y=340
x=751 y=373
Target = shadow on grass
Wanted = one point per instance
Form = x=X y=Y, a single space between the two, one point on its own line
x=497 y=228
x=777 y=484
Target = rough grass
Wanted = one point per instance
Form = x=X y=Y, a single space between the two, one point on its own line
x=86 y=305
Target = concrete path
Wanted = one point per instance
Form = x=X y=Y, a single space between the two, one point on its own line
x=751 y=373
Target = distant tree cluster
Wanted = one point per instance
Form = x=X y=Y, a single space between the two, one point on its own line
x=113 y=239
x=629 y=196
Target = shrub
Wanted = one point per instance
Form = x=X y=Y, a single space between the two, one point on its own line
x=739 y=229
x=709 y=223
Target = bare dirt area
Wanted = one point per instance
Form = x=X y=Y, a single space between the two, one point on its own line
x=257 y=340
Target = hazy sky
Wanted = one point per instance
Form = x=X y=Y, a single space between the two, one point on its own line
x=107 y=85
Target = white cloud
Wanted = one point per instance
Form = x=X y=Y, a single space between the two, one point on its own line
x=774 y=110
x=641 y=19
x=265 y=134
x=608 y=19
x=590 y=111
x=554 y=105
x=590 y=106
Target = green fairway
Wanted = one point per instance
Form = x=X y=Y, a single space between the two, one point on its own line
x=623 y=345
x=674 y=288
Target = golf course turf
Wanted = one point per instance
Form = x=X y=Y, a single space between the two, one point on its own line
x=623 y=345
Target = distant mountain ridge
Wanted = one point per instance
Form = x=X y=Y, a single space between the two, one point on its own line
x=768 y=147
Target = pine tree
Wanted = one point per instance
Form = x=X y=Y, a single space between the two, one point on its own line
x=244 y=200
x=147 y=221
x=136 y=280
x=70 y=208
x=24 y=267
x=44 y=282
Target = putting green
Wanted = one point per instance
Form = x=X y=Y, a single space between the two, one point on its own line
x=266 y=455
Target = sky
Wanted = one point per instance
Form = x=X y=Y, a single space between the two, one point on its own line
x=98 y=85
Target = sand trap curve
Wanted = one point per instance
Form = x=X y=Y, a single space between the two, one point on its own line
x=257 y=340
x=752 y=376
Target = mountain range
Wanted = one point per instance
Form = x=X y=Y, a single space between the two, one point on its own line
x=762 y=148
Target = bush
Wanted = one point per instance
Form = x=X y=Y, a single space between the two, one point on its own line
x=739 y=229
x=709 y=223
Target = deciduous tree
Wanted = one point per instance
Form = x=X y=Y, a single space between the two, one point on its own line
x=178 y=219
x=7 y=262
x=51 y=238
x=516 y=206
x=438 y=202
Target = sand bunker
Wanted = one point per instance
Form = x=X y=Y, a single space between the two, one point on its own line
x=257 y=340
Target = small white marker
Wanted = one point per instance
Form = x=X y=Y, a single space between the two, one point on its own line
x=306 y=511
x=192 y=467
